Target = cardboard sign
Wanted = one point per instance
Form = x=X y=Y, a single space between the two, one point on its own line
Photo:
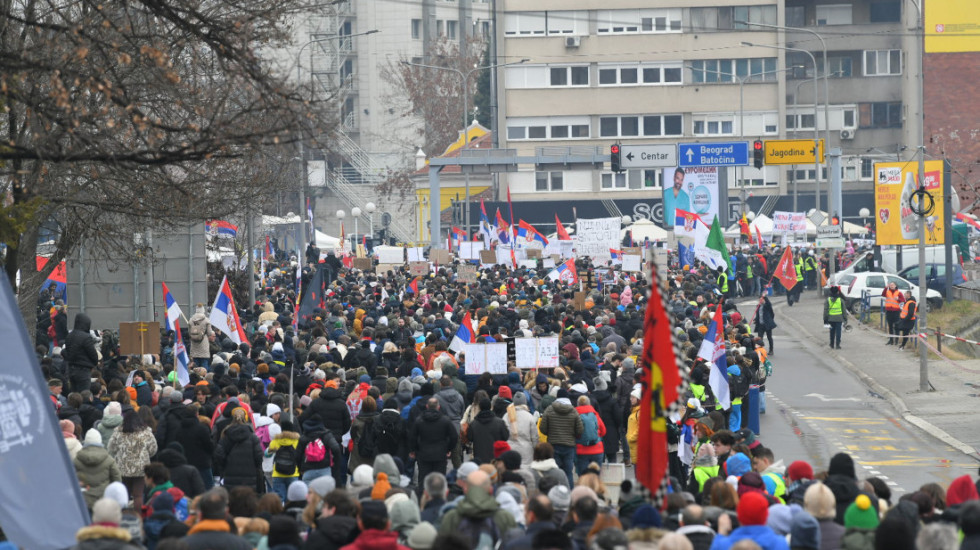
x=139 y=338
x=634 y=250
x=533 y=253
x=390 y=254
x=364 y=264
x=488 y=257
x=530 y=264
x=468 y=273
x=440 y=256
x=579 y=300
x=418 y=269
x=416 y=254
x=632 y=262
x=536 y=353
x=383 y=269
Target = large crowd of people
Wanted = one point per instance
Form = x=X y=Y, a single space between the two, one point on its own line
x=360 y=428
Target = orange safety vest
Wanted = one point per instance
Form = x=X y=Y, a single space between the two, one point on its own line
x=891 y=299
x=905 y=311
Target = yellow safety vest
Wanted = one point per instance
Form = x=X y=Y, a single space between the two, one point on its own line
x=836 y=306
x=723 y=282
x=799 y=272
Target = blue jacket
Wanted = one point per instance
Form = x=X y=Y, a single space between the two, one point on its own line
x=762 y=535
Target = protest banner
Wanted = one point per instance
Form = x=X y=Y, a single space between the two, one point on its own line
x=418 y=269
x=594 y=237
x=788 y=222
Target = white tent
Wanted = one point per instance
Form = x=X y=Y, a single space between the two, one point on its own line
x=644 y=228
x=326 y=242
x=762 y=221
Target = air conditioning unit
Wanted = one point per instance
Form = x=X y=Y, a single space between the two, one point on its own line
x=573 y=41
x=847 y=134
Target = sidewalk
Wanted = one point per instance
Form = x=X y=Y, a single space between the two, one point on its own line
x=947 y=413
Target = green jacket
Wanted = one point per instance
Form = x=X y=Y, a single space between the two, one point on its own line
x=858 y=539
x=561 y=424
x=477 y=505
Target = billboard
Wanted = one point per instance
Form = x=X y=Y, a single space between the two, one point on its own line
x=952 y=26
x=694 y=189
x=894 y=184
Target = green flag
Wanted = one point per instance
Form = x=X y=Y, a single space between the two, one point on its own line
x=712 y=250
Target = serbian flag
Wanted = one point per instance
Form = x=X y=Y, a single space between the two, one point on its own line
x=224 y=315
x=221 y=228
x=413 y=287
x=465 y=334
x=785 y=270
x=528 y=234
x=173 y=323
x=565 y=271
x=58 y=278
x=457 y=235
x=969 y=220
x=560 y=230
x=713 y=352
x=687 y=224
x=660 y=379
x=503 y=230
x=486 y=230
x=616 y=255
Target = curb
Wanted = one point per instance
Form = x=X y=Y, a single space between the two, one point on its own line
x=893 y=398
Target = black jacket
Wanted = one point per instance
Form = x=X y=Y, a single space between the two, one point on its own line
x=312 y=431
x=168 y=428
x=362 y=356
x=79 y=349
x=332 y=410
x=484 y=431
x=184 y=476
x=332 y=533
x=196 y=440
x=432 y=436
x=611 y=415
x=239 y=458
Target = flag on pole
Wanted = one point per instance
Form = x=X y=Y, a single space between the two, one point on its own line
x=712 y=250
x=343 y=239
x=456 y=235
x=565 y=271
x=661 y=378
x=743 y=226
x=173 y=323
x=312 y=297
x=221 y=228
x=413 y=287
x=224 y=315
x=485 y=228
x=759 y=235
x=686 y=224
x=616 y=255
x=785 y=270
x=465 y=334
x=713 y=352
x=503 y=230
x=42 y=506
x=268 y=248
x=299 y=294
x=560 y=230
x=309 y=214
x=528 y=234
x=510 y=206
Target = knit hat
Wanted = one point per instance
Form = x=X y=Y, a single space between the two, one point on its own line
x=780 y=519
x=132 y=393
x=66 y=426
x=113 y=408
x=297 y=491
x=520 y=398
x=562 y=392
x=499 y=448
x=381 y=487
x=363 y=475
x=117 y=492
x=323 y=485
x=861 y=514
x=422 y=536
x=646 y=516
x=106 y=510
x=560 y=497
x=753 y=509
x=93 y=437
x=738 y=465
x=272 y=409
x=960 y=490
x=581 y=492
x=819 y=501
x=465 y=469
x=799 y=470
x=163 y=501
x=505 y=393
x=637 y=393
x=804 y=532
x=373 y=509
x=751 y=482
x=843 y=465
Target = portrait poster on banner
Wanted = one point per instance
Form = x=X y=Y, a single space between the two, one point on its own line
x=895 y=223
x=692 y=189
x=594 y=237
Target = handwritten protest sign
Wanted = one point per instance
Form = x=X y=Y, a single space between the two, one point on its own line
x=596 y=236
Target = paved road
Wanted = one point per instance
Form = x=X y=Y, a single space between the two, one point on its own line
x=816 y=408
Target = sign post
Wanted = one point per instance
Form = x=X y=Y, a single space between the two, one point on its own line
x=792 y=151
x=732 y=153
x=647 y=156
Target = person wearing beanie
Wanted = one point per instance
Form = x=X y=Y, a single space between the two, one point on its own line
x=422 y=536
x=68 y=434
x=499 y=448
x=753 y=513
x=819 y=502
x=375 y=526
x=804 y=532
x=162 y=522
x=704 y=467
x=104 y=532
x=799 y=477
x=842 y=481
x=111 y=419
x=95 y=468
x=563 y=426
x=381 y=487
x=860 y=522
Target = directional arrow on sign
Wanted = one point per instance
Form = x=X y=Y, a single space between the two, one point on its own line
x=825 y=399
x=690 y=155
x=629 y=156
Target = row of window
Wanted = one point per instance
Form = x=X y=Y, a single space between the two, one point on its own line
x=873 y=63
x=448 y=28
x=609 y=74
x=576 y=22
x=843 y=13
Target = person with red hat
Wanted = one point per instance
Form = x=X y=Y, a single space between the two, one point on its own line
x=753 y=512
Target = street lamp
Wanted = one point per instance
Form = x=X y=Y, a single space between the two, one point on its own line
x=864 y=213
x=465 y=76
x=355 y=213
x=370 y=208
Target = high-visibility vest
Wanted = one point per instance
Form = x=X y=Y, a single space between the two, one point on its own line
x=914 y=310
x=780 y=485
x=722 y=282
x=891 y=299
x=836 y=306
x=704 y=473
x=698 y=391
x=810 y=263
x=799 y=272
x=748 y=271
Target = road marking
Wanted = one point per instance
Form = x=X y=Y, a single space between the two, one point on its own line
x=826 y=399
x=868 y=421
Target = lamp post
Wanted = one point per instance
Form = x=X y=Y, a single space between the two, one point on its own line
x=370 y=208
x=355 y=213
x=465 y=76
x=340 y=221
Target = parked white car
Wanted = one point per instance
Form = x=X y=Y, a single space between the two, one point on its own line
x=851 y=285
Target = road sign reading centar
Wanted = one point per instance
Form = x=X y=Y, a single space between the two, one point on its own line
x=791 y=151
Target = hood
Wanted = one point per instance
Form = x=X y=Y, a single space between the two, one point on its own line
x=478 y=504
x=92 y=456
x=434 y=416
x=385 y=463
x=405 y=386
x=171 y=458
x=572 y=350
x=340 y=530
x=187 y=418
x=312 y=426
x=961 y=490
x=237 y=433
x=485 y=417
x=112 y=420
x=562 y=408
x=83 y=322
x=330 y=393
x=544 y=465
x=391 y=385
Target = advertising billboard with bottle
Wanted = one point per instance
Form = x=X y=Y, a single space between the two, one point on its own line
x=895 y=222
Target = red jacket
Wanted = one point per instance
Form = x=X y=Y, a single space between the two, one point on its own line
x=591 y=449
x=372 y=539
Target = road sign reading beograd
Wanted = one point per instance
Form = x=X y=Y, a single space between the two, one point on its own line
x=730 y=153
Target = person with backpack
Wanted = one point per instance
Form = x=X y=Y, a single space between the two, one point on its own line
x=432 y=438
x=363 y=442
x=562 y=426
x=391 y=432
x=589 y=447
x=478 y=518
x=284 y=450
x=738 y=387
x=201 y=334
x=318 y=450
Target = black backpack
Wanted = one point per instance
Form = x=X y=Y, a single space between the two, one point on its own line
x=367 y=446
x=738 y=386
x=284 y=461
x=482 y=534
x=388 y=433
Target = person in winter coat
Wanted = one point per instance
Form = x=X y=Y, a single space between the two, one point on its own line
x=485 y=430
x=633 y=423
x=162 y=522
x=765 y=320
x=168 y=428
x=753 y=512
x=144 y=392
x=95 y=468
x=611 y=414
x=80 y=354
x=589 y=451
x=195 y=438
x=332 y=410
x=842 y=481
x=860 y=522
x=238 y=456
x=105 y=532
x=200 y=336
x=523 y=428
x=562 y=426
x=544 y=466
x=111 y=419
x=403 y=395
x=819 y=502
x=431 y=439
x=539 y=390
x=284 y=450
x=361 y=451
x=337 y=525
x=184 y=476
x=624 y=385
x=324 y=442
x=375 y=525
x=476 y=506
x=132 y=444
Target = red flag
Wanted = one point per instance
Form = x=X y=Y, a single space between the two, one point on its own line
x=661 y=378
x=759 y=235
x=785 y=270
x=743 y=225
x=765 y=264
x=414 y=286
x=562 y=232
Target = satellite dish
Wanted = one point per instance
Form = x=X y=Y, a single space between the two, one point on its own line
x=385 y=219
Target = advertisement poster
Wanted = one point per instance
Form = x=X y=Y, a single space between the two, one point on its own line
x=894 y=184
x=693 y=189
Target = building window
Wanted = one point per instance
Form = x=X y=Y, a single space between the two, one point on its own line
x=801 y=175
x=867 y=168
x=541 y=23
x=548 y=181
x=729 y=18
x=882 y=62
x=642 y=74
x=759 y=69
x=575 y=127
x=653 y=179
x=635 y=126
x=662 y=20
x=416 y=29
x=521 y=77
x=451 y=29
x=440 y=27
x=714 y=125
x=835 y=14
x=525 y=23
x=614 y=180
x=880 y=115
x=485 y=29
x=886 y=11
x=849 y=118
x=516 y=132
x=799 y=122
x=569 y=76
x=567 y=22
x=795 y=16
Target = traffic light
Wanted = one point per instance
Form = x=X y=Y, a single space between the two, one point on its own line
x=834 y=220
x=614 y=158
x=758 y=154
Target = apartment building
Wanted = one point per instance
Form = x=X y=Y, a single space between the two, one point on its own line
x=635 y=72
